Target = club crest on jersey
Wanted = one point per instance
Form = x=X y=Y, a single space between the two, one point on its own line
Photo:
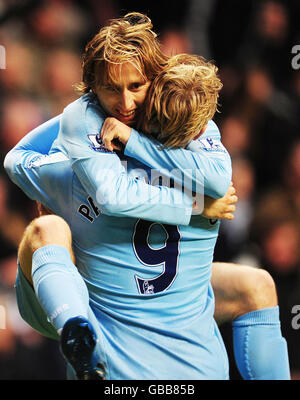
x=212 y=145
x=97 y=144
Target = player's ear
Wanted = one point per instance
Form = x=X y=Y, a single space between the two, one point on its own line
x=201 y=132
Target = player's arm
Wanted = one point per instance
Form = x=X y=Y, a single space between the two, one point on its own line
x=31 y=147
x=105 y=178
x=115 y=134
x=202 y=168
x=41 y=138
x=31 y=168
x=36 y=143
x=222 y=208
x=25 y=163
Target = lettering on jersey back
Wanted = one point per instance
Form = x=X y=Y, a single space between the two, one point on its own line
x=87 y=210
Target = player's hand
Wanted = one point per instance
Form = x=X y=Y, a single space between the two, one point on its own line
x=222 y=208
x=113 y=129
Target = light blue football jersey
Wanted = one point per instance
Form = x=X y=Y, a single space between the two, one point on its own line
x=149 y=282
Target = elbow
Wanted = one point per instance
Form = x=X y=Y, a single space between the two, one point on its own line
x=108 y=204
x=8 y=164
x=113 y=210
x=109 y=209
x=221 y=180
x=220 y=188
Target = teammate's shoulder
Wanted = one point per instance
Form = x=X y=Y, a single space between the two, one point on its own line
x=209 y=145
x=92 y=101
x=212 y=130
x=83 y=102
x=209 y=141
x=85 y=114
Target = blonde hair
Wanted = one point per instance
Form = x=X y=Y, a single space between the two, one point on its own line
x=181 y=100
x=126 y=39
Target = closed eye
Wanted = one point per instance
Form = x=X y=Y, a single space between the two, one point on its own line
x=111 y=88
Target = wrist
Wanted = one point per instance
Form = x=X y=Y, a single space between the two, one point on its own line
x=124 y=139
x=131 y=143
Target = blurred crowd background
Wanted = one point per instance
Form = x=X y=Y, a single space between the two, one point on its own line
x=251 y=42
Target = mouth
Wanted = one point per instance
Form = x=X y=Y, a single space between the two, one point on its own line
x=125 y=117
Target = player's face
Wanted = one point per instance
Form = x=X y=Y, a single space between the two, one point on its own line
x=124 y=98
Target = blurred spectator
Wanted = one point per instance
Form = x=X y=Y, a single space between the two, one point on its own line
x=280 y=247
x=19 y=116
x=291 y=175
x=18 y=76
x=232 y=81
x=280 y=243
x=272 y=21
x=228 y=25
x=258 y=85
x=12 y=224
x=61 y=70
x=234 y=242
x=235 y=135
x=268 y=40
x=58 y=22
x=175 y=42
x=198 y=18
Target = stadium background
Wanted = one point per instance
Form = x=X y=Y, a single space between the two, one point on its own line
x=251 y=42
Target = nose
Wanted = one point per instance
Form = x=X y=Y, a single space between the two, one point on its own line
x=126 y=100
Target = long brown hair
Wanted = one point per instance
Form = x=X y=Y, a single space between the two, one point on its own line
x=126 y=39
